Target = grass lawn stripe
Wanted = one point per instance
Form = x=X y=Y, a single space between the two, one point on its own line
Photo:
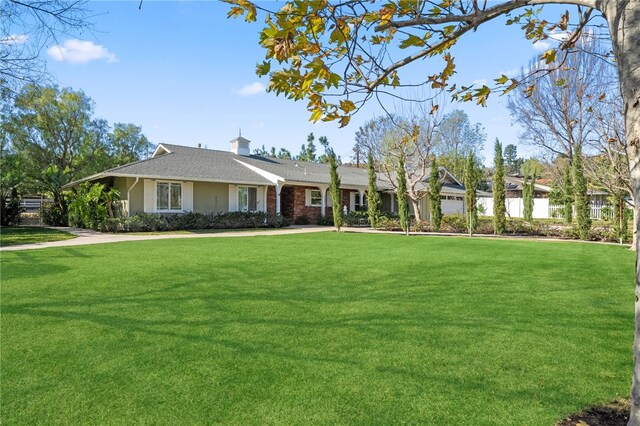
x=321 y=328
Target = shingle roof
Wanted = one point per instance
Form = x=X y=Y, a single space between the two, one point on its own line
x=199 y=164
x=184 y=163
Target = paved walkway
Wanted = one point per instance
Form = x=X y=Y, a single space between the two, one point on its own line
x=85 y=236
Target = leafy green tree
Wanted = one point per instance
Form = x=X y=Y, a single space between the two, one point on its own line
x=583 y=207
x=471 y=195
x=334 y=190
x=512 y=162
x=284 y=153
x=11 y=177
x=126 y=144
x=59 y=139
x=435 y=202
x=499 y=196
x=403 y=206
x=308 y=151
x=530 y=171
x=373 y=197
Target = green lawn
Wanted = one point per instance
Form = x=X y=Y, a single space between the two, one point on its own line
x=11 y=236
x=315 y=329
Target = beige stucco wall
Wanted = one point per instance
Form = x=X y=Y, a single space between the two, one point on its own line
x=210 y=197
x=123 y=184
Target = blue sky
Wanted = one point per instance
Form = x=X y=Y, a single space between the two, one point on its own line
x=185 y=73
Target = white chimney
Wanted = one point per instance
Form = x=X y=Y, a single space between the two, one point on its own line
x=240 y=146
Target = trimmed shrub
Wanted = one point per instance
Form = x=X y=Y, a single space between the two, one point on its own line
x=355 y=218
x=325 y=220
x=53 y=215
x=148 y=222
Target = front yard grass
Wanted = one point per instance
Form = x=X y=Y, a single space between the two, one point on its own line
x=11 y=236
x=315 y=329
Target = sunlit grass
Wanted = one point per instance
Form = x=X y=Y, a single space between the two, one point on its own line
x=315 y=329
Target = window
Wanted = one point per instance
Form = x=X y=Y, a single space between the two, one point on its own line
x=316 y=198
x=247 y=199
x=168 y=196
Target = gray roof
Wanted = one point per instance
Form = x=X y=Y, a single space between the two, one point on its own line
x=199 y=164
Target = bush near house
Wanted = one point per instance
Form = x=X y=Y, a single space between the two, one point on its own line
x=147 y=222
x=455 y=223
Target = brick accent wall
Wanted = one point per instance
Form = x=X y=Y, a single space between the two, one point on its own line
x=271 y=200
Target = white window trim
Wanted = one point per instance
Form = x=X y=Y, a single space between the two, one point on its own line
x=155 y=195
x=238 y=198
x=311 y=197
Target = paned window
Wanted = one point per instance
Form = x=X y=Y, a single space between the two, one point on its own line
x=168 y=196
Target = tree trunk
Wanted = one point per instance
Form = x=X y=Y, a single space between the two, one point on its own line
x=416 y=209
x=623 y=17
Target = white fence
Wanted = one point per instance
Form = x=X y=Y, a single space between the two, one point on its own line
x=541 y=208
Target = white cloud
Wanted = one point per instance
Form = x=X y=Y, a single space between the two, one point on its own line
x=542 y=45
x=14 y=39
x=479 y=82
x=511 y=73
x=252 y=89
x=77 y=51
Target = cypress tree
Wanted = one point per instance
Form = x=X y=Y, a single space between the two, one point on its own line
x=583 y=209
x=373 y=198
x=403 y=207
x=529 y=170
x=435 y=203
x=334 y=190
x=470 y=183
x=567 y=193
x=499 y=207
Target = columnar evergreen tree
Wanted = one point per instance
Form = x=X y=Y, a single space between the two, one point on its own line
x=583 y=209
x=373 y=198
x=435 y=203
x=530 y=170
x=334 y=190
x=403 y=206
x=470 y=184
x=499 y=208
x=567 y=193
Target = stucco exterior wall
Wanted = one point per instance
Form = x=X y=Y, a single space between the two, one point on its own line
x=209 y=197
x=136 y=197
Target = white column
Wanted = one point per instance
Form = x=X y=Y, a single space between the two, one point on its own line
x=393 y=201
x=278 y=189
x=323 y=191
x=361 y=192
x=264 y=198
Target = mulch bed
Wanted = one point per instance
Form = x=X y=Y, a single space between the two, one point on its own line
x=615 y=413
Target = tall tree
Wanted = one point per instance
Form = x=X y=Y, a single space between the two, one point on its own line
x=373 y=197
x=582 y=203
x=499 y=196
x=334 y=190
x=308 y=151
x=530 y=171
x=512 y=162
x=455 y=138
x=435 y=202
x=363 y=48
x=403 y=207
x=127 y=143
x=58 y=137
x=409 y=134
x=471 y=197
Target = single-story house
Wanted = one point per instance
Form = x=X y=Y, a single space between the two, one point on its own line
x=178 y=179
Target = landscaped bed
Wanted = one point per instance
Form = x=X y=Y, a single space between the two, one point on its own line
x=316 y=328
x=11 y=236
